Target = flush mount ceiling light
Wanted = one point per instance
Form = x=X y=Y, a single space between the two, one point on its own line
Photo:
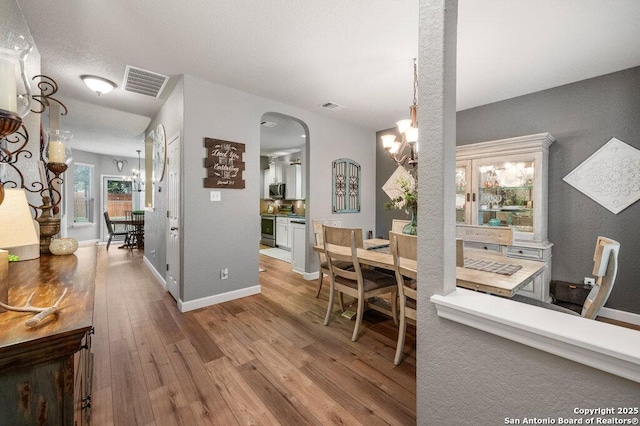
x=98 y=84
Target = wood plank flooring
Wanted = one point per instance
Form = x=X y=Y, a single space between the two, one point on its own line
x=263 y=360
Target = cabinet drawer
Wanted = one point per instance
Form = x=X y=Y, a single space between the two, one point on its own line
x=524 y=252
x=282 y=220
x=483 y=246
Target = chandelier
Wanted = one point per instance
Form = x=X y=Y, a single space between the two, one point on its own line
x=408 y=128
x=138 y=180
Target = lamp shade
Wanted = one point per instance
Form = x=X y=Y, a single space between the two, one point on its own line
x=388 y=141
x=18 y=232
x=404 y=125
x=98 y=84
x=412 y=134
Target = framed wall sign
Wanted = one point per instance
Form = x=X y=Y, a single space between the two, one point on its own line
x=224 y=164
x=345 y=186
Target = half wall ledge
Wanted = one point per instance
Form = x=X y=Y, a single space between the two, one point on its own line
x=606 y=347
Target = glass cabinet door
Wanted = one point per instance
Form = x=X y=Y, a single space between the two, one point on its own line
x=505 y=194
x=463 y=193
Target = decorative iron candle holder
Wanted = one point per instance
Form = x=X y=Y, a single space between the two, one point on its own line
x=49 y=226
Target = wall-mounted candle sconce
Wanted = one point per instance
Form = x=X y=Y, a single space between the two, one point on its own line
x=15 y=92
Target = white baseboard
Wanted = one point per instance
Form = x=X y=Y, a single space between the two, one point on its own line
x=311 y=275
x=617 y=315
x=217 y=298
x=88 y=243
x=155 y=273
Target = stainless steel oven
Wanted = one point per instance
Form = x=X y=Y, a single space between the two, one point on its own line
x=268 y=230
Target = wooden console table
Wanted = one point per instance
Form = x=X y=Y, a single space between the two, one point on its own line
x=45 y=371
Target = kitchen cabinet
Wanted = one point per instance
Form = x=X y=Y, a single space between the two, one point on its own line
x=274 y=174
x=283 y=237
x=293 y=181
x=268 y=179
x=505 y=183
x=298 y=245
x=278 y=172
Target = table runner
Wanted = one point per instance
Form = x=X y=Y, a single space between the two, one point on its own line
x=495 y=267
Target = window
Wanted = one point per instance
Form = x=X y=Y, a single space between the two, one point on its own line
x=83 y=193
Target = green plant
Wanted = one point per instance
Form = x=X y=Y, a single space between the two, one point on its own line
x=13 y=258
x=408 y=198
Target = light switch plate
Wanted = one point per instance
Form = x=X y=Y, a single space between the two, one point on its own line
x=215 y=196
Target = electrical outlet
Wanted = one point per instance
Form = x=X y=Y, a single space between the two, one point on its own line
x=590 y=281
x=224 y=273
x=215 y=196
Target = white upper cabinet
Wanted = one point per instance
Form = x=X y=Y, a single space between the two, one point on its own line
x=278 y=172
x=268 y=179
x=293 y=182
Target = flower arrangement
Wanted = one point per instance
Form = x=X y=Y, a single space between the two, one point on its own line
x=408 y=198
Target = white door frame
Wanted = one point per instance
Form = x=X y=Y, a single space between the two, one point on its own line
x=103 y=194
x=172 y=223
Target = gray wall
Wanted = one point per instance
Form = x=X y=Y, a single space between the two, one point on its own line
x=225 y=234
x=103 y=165
x=171 y=116
x=582 y=117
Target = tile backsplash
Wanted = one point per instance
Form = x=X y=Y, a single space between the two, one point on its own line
x=271 y=206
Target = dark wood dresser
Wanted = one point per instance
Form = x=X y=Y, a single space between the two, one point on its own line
x=45 y=371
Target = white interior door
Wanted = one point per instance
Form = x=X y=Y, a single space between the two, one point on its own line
x=173 y=213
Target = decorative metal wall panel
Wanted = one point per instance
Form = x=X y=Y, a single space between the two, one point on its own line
x=611 y=176
x=346 y=186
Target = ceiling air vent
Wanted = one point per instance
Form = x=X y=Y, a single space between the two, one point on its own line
x=331 y=106
x=266 y=123
x=144 y=82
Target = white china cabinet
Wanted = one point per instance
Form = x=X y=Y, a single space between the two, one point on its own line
x=505 y=183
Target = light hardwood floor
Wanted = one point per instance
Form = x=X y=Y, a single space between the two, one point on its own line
x=265 y=359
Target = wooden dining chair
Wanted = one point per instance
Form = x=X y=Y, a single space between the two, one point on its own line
x=605 y=268
x=136 y=236
x=360 y=283
x=398 y=224
x=114 y=235
x=404 y=250
x=322 y=258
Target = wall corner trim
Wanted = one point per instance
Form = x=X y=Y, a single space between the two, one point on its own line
x=218 y=298
x=603 y=346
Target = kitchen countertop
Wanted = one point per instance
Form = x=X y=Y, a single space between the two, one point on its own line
x=292 y=216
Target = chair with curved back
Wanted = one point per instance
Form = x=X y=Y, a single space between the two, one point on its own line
x=114 y=235
x=357 y=282
x=605 y=268
x=404 y=249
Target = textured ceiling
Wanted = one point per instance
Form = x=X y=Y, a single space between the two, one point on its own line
x=356 y=53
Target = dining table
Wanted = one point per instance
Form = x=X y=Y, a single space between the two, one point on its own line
x=373 y=254
x=137 y=227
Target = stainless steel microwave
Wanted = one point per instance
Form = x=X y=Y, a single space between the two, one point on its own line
x=276 y=191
